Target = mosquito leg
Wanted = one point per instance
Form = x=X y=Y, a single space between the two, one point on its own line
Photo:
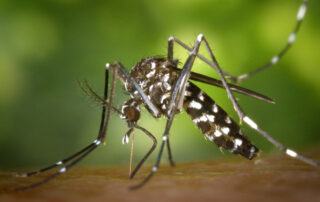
x=156 y=166
x=242 y=115
x=171 y=60
x=149 y=152
x=170 y=50
x=62 y=170
x=125 y=75
x=170 y=154
x=155 y=110
x=273 y=61
x=103 y=127
x=175 y=105
x=276 y=58
x=103 y=114
x=59 y=163
x=288 y=151
x=84 y=152
x=66 y=160
x=249 y=121
x=215 y=65
x=252 y=124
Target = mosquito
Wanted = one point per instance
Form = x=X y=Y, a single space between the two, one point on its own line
x=164 y=90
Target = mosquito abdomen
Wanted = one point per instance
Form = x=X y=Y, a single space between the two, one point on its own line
x=215 y=123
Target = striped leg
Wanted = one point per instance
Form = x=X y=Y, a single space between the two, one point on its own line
x=74 y=159
x=239 y=111
x=62 y=170
x=59 y=163
x=274 y=60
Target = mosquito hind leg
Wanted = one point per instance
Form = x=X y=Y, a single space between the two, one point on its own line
x=250 y=122
x=275 y=59
x=281 y=147
x=213 y=63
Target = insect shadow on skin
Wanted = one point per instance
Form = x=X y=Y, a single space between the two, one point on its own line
x=164 y=90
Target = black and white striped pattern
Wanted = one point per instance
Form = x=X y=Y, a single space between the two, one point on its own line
x=215 y=123
x=156 y=78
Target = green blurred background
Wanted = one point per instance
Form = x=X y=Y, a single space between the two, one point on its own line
x=46 y=46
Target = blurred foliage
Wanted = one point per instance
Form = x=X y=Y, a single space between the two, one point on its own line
x=46 y=46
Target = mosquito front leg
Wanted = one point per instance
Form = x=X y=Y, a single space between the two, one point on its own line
x=59 y=163
x=61 y=171
x=74 y=159
x=66 y=160
x=170 y=49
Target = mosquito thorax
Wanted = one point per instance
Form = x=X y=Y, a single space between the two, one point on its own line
x=155 y=77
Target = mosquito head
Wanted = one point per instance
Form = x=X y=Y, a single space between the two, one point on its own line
x=131 y=112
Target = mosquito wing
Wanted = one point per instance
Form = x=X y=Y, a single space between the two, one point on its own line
x=205 y=79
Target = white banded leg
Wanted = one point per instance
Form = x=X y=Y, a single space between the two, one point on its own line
x=58 y=164
x=275 y=59
x=61 y=171
x=239 y=111
x=105 y=116
x=288 y=151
